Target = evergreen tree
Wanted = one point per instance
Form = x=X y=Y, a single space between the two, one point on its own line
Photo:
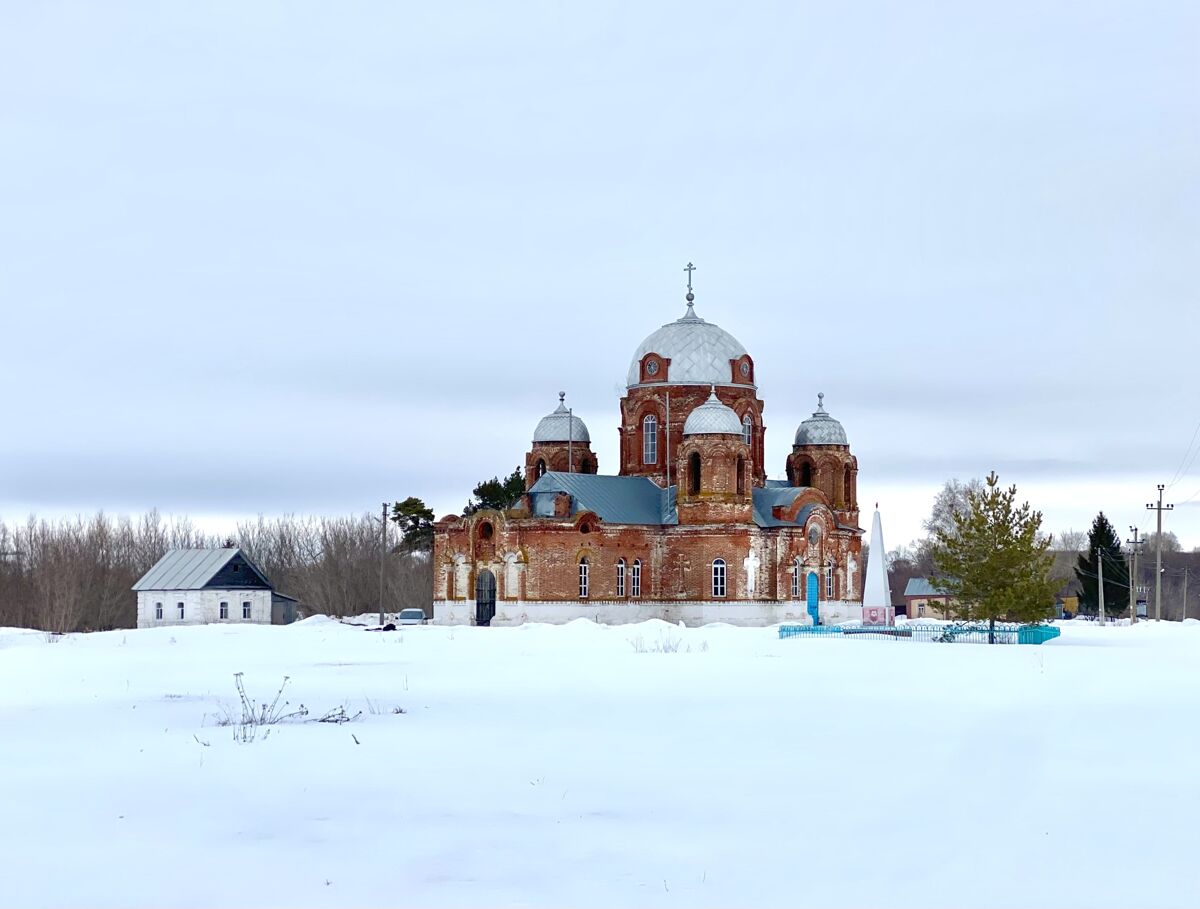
x=1103 y=542
x=415 y=520
x=993 y=560
x=496 y=493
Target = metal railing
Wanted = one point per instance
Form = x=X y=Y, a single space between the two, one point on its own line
x=941 y=633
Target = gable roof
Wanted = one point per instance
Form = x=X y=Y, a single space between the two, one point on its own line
x=923 y=587
x=617 y=500
x=191 y=569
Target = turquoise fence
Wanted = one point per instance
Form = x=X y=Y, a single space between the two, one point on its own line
x=955 y=632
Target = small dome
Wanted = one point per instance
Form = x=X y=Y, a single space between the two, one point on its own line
x=699 y=352
x=821 y=428
x=561 y=426
x=712 y=417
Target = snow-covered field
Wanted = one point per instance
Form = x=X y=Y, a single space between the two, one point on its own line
x=581 y=765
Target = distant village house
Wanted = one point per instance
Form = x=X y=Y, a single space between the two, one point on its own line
x=202 y=586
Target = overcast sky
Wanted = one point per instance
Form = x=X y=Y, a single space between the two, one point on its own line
x=302 y=258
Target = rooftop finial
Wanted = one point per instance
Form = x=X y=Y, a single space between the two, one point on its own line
x=821 y=401
x=562 y=396
x=689 y=268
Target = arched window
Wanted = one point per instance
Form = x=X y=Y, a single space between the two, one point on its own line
x=583 y=578
x=650 y=439
x=635 y=579
x=718 y=578
x=796 y=578
x=741 y=476
x=747 y=429
x=846 y=489
x=829 y=581
x=620 y=577
x=540 y=470
x=805 y=474
x=694 y=472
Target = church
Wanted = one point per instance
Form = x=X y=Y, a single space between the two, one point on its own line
x=689 y=529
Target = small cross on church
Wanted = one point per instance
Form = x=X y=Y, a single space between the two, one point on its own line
x=689 y=268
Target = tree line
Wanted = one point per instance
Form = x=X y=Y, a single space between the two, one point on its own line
x=76 y=574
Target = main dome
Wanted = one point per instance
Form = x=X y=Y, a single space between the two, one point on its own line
x=699 y=352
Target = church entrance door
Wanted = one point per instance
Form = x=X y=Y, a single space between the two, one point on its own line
x=485 y=597
x=811 y=591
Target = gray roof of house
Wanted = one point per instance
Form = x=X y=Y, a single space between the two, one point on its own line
x=923 y=587
x=186 y=569
x=617 y=500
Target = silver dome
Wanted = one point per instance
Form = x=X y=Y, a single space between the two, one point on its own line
x=699 y=352
x=712 y=417
x=561 y=426
x=821 y=428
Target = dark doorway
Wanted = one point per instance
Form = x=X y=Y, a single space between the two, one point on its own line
x=485 y=597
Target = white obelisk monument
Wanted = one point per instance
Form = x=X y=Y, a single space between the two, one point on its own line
x=877 y=596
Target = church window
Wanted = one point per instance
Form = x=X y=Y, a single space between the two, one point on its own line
x=741 y=476
x=620 y=577
x=846 y=488
x=694 y=472
x=583 y=578
x=540 y=471
x=635 y=579
x=747 y=429
x=829 y=581
x=485 y=531
x=796 y=579
x=224 y=611
x=180 y=607
x=806 y=474
x=650 y=439
x=158 y=610
x=245 y=609
x=718 y=578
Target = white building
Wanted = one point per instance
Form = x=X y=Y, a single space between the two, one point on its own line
x=200 y=586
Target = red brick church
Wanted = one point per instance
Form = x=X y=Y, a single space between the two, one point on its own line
x=689 y=529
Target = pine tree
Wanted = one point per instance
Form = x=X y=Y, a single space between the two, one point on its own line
x=496 y=493
x=1103 y=542
x=992 y=559
x=416 y=524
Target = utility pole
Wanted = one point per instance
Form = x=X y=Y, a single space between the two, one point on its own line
x=1183 y=618
x=1134 y=546
x=1160 y=507
x=382 y=559
x=1100 y=586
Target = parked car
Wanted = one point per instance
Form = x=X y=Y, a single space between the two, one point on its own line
x=411 y=617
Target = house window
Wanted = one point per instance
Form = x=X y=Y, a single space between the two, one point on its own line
x=180 y=605
x=829 y=581
x=620 y=577
x=583 y=578
x=796 y=579
x=747 y=429
x=224 y=610
x=718 y=578
x=694 y=472
x=920 y=609
x=635 y=579
x=650 y=439
x=158 y=610
x=245 y=609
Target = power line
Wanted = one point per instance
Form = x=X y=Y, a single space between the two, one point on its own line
x=1180 y=472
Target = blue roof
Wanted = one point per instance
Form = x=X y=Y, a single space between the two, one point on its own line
x=639 y=500
x=617 y=500
x=766 y=498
